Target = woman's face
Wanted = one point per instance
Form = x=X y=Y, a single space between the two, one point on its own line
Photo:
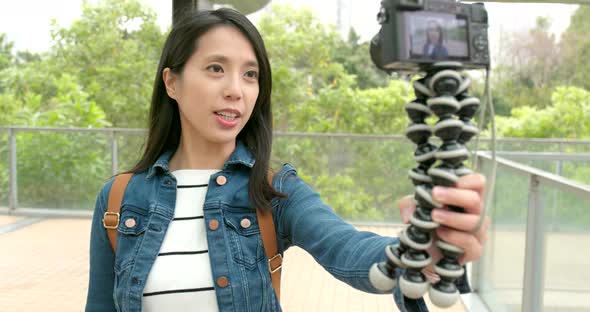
x=433 y=33
x=218 y=87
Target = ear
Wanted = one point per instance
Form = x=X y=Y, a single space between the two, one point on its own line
x=170 y=81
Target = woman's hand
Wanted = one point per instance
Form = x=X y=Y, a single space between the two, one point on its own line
x=456 y=228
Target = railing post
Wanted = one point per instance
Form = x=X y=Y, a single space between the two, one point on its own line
x=114 y=153
x=559 y=172
x=13 y=192
x=478 y=267
x=534 y=259
x=559 y=168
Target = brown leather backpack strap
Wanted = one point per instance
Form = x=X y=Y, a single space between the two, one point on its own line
x=269 y=240
x=110 y=220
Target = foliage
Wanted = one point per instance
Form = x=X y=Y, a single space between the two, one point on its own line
x=370 y=111
x=299 y=49
x=527 y=70
x=72 y=159
x=6 y=57
x=568 y=117
x=354 y=56
x=575 y=50
x=113 y=49
x=98 y=74
x=316 y=89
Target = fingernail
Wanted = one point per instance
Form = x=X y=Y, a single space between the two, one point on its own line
x=439 y=192
x=439 y=215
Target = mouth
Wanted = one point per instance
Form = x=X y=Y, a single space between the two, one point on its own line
x=228 y=114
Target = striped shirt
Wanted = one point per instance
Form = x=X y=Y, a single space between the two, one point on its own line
x=181 y=278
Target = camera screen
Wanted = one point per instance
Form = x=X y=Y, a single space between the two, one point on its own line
x=434 y=35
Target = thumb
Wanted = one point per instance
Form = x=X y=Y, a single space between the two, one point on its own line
x=406 y=205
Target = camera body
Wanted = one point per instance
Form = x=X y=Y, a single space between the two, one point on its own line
x=417 y=33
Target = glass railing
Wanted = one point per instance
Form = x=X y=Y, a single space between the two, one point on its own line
x=537 y=256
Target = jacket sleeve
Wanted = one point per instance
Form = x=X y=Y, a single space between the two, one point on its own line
x=102 y=260
x=305 y=221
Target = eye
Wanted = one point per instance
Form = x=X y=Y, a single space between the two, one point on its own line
x=251 y=74
x=216 y=68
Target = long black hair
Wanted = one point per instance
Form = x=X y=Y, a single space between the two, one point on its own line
x=164 y=123
x=438 y=28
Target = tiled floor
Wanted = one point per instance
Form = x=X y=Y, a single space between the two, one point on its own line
x=44 y=267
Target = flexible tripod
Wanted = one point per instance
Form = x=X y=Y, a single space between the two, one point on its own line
x=442 y=92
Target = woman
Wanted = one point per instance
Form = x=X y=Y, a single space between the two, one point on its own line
x=189 y=238
x=434 y=48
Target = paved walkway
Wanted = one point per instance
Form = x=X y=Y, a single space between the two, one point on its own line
x=44 y=267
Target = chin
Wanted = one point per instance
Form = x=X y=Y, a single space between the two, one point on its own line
x=225 y=138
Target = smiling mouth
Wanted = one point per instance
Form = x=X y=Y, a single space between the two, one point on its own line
x=227 y=115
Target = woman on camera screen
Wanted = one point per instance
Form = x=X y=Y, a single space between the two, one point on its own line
x=434 y=48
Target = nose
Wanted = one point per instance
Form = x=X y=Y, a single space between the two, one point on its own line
x=233 y=88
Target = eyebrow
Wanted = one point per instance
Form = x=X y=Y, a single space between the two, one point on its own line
x=223 y=59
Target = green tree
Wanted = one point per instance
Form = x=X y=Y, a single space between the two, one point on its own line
x=527 y=70
x=23 y=57
x=113 y=49
x=6 y=57
x=35 y=77
x=57 y=169
x=575 y=49
x=355 y=58
x=567 y=117
x=299 y=47
x=351 y=110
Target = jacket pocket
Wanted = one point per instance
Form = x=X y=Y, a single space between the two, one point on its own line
x=132 y=225
x=244 y=238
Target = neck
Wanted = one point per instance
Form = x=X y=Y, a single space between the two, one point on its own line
x=196 y=154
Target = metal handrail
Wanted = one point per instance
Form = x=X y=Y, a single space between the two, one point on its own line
x=544 y=177
x=294 y=134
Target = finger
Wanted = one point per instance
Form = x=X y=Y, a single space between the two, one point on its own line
x=459 y=221
x=467 y=199
x=430 y=274
x=434 y=252
x=475 y=182
x=472 y=247
x=407 y=206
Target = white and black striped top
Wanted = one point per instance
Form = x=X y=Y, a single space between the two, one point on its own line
x=181 y=278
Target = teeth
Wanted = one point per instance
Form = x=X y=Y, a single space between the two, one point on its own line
x=227 y=116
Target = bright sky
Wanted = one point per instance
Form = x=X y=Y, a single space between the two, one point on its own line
x=27 y=22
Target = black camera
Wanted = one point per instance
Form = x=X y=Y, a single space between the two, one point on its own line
x=417 y=33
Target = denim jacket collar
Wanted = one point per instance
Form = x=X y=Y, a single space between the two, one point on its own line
x=240 y=156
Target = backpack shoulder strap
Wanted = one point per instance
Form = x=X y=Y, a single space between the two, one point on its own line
x=110 y=220
x=269 y=240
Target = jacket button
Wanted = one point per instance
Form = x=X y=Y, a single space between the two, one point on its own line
x=222 y=282
x=213 y=225
x=221 y=180
x=245 y=223
x=130 y=223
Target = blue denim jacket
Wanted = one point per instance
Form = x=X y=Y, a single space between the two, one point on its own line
x=302 y=219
